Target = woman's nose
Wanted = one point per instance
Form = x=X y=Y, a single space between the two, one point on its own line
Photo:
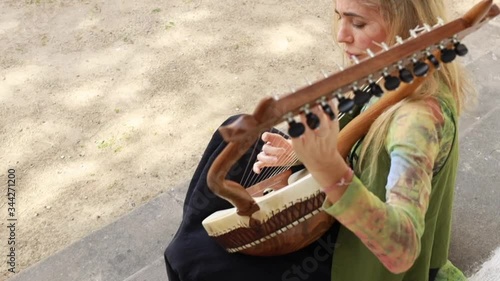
x=344 y=35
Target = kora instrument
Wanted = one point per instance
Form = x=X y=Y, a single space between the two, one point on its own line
x=284 y=213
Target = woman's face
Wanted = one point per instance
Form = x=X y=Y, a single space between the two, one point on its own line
x=359 y=26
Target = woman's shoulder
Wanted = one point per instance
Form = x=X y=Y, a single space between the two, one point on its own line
x=434 y=109
x=431 y=117
x=433 y=120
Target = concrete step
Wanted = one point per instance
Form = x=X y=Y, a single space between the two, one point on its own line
x=130 y=249
x=155 y=271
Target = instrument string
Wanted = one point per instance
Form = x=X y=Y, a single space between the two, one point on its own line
x=284 y=163
x=247 y=172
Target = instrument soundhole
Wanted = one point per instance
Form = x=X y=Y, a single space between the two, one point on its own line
x=267 y=191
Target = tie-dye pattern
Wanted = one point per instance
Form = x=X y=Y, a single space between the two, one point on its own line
x=450 y=273
x=418 y=142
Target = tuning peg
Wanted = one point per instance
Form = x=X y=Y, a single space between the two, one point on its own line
x=399 y=40
x=312 y=120
x=370 y=53
x=345 y=104
x=427 y=27
x=354 y=59
x=447 y=55
x=440 y=22
x=391 y=82
x=327 y=109
x=361 y=97
x=420 y=68
x=382 y=45
x=405 y=75
x=295 y=129
x=307 y=81
x=460 y=49
x=433 y=60
x=341 y=68
x=375 y=89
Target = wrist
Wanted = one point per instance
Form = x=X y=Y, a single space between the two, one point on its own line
x=341 y=183
x=330 y=174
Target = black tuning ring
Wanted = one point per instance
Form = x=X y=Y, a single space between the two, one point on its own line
x=345 y=104
x=391 y=82
x=295 y=129
x=361 y=97
x=375 y=89
x=312 y=120
x=460 y=49
x=420 y=68
x=328 y=110
x=434 y=61
x=448 y=55
x=405 y=75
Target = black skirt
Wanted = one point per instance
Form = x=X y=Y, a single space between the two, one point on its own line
x=193 y=256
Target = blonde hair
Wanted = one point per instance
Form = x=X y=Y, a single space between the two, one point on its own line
x=400 y=17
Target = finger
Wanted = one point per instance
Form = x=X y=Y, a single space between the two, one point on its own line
x=298 y=143
x=334 y=103
x=335 y=106
x=318 y=112
x=324 y=119
x=303 y=120
x=267 y=159
x=272 y=150
x=327 y=108
x=320 y=124
x=272 y=137
x=257 y=167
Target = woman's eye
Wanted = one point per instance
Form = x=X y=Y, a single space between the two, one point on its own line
x=359 y=25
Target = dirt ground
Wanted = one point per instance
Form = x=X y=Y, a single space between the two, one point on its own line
x=107 y=104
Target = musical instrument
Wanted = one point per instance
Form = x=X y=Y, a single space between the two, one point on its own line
x=290 y=217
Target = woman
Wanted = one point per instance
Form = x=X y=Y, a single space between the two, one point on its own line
x=393 y=201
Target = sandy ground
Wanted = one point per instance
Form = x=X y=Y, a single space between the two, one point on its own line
x=107 y=104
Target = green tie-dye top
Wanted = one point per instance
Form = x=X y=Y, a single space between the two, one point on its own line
x=418 y=142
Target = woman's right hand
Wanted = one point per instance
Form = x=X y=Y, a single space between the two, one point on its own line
x=277 y=151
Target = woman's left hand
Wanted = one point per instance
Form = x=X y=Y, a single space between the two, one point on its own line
x=317 y=149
